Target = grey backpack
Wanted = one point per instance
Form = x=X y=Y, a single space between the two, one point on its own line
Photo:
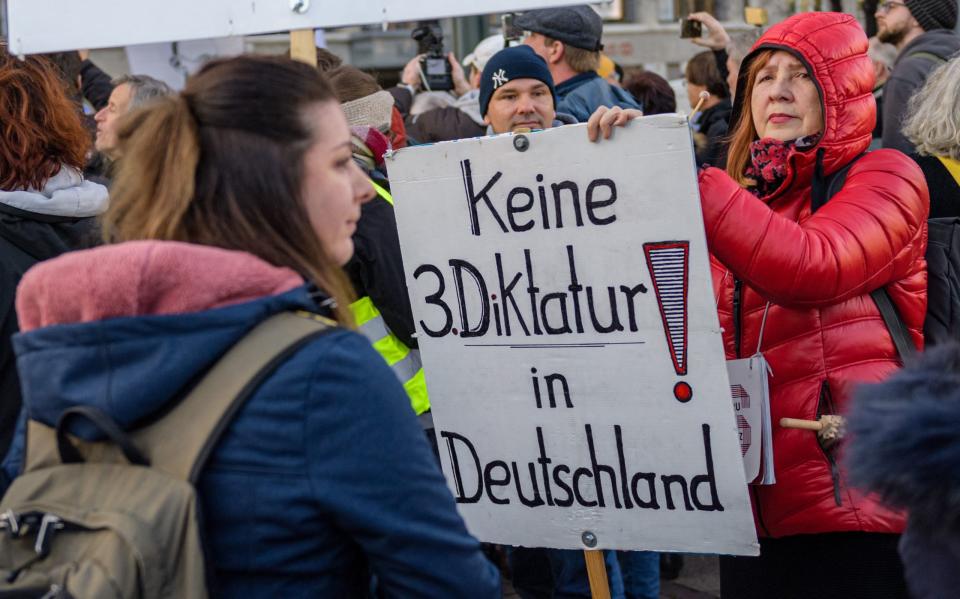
x=119 y=517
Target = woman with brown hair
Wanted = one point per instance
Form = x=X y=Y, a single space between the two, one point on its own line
x=711 y=123
x=793 y=280
x=652 y=91
x=46 y=207
x=236 y=200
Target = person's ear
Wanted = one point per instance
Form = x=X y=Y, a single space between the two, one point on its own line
x=557 y=52
x=486 y=120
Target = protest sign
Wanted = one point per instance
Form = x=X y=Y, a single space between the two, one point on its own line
x=110 y=23
x=570 y=339
x=750 y=389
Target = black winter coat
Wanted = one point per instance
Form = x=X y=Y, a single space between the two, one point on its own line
x=25 y=239
x=910 y=72
x=376 y=268
x=711 y=146
x=439 y=124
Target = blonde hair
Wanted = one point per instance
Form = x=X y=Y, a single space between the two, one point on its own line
x=934 y=122
x=221 y=164
x=578 y=59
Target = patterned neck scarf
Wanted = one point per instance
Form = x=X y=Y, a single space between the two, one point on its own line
x=768 y=162
x=369 y=146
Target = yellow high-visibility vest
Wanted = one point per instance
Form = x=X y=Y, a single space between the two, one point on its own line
x=404 y=361
x=952 y=166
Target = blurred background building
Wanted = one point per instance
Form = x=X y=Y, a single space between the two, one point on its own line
x=637 y=33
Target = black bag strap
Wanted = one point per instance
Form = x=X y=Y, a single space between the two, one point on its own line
x=896 y=327
x=69 y=454
x=182 y=440
x=822 y=190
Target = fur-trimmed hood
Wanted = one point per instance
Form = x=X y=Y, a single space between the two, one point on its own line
x=905 y=439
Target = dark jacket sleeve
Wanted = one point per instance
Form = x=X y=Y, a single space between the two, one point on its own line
x=371 y=469
x=13 y=263
x=95 y=85
x=402 y=99
x=720 y=56
x=715 y=152
x=376 y=269
x=9 y=381
x=443 y=124
x=908 y=76
x=439 y=124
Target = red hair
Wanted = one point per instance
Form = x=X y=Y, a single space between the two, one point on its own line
x=40 y=128
x=743 y=131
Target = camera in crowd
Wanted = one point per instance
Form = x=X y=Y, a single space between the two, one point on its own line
x=435 y=69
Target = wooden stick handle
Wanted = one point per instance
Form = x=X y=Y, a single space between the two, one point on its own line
x=303 y=46
x=807 y=425
x=703 y=98
x=597 y=573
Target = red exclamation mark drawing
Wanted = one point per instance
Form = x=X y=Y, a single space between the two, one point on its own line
x=669 y=264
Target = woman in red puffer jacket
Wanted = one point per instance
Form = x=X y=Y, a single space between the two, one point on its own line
x=804 y=110
x=796 y=286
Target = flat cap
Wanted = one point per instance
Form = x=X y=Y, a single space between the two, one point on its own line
x=577 y=26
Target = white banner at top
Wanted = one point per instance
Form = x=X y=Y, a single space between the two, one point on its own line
x=54 y=25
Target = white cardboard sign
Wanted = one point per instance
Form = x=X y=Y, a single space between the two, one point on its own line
x=109 y=23
x=570 y=339
x=747 y=387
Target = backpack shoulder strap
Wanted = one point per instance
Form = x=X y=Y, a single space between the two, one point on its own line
x=824 y=189
x=896 y=327
x=927 y=55
x=181 y=441
x=888 y=311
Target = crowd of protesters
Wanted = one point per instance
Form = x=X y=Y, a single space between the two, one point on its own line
x=162 y=229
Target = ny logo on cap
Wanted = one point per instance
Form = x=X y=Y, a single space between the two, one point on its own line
x=499 y=78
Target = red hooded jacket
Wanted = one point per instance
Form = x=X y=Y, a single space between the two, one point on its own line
x=823 y=333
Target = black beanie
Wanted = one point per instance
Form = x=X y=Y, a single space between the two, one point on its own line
x=518 y=62
x=934 y=14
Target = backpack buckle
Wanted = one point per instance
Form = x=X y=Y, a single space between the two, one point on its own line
x=10 y=521
x=48 y=526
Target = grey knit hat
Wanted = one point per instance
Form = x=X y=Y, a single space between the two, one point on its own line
x=934 y=14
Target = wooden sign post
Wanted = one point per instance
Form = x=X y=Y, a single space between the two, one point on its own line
x=303 y=46
x=597 y=573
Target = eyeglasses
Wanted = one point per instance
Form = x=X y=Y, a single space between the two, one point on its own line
x=888 y=6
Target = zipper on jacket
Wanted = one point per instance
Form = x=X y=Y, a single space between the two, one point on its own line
x=737 y=292
x=756 y=503
x=826 y=401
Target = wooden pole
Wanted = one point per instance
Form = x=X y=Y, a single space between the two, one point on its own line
x=597 y=572
x=303 y=46
x=809 y=425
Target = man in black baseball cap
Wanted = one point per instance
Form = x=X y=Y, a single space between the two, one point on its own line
x=568 y=39
x=922 y=31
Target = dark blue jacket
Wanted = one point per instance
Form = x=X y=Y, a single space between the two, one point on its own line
x=904 y=444
x=323 y=478
x=581 y=95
